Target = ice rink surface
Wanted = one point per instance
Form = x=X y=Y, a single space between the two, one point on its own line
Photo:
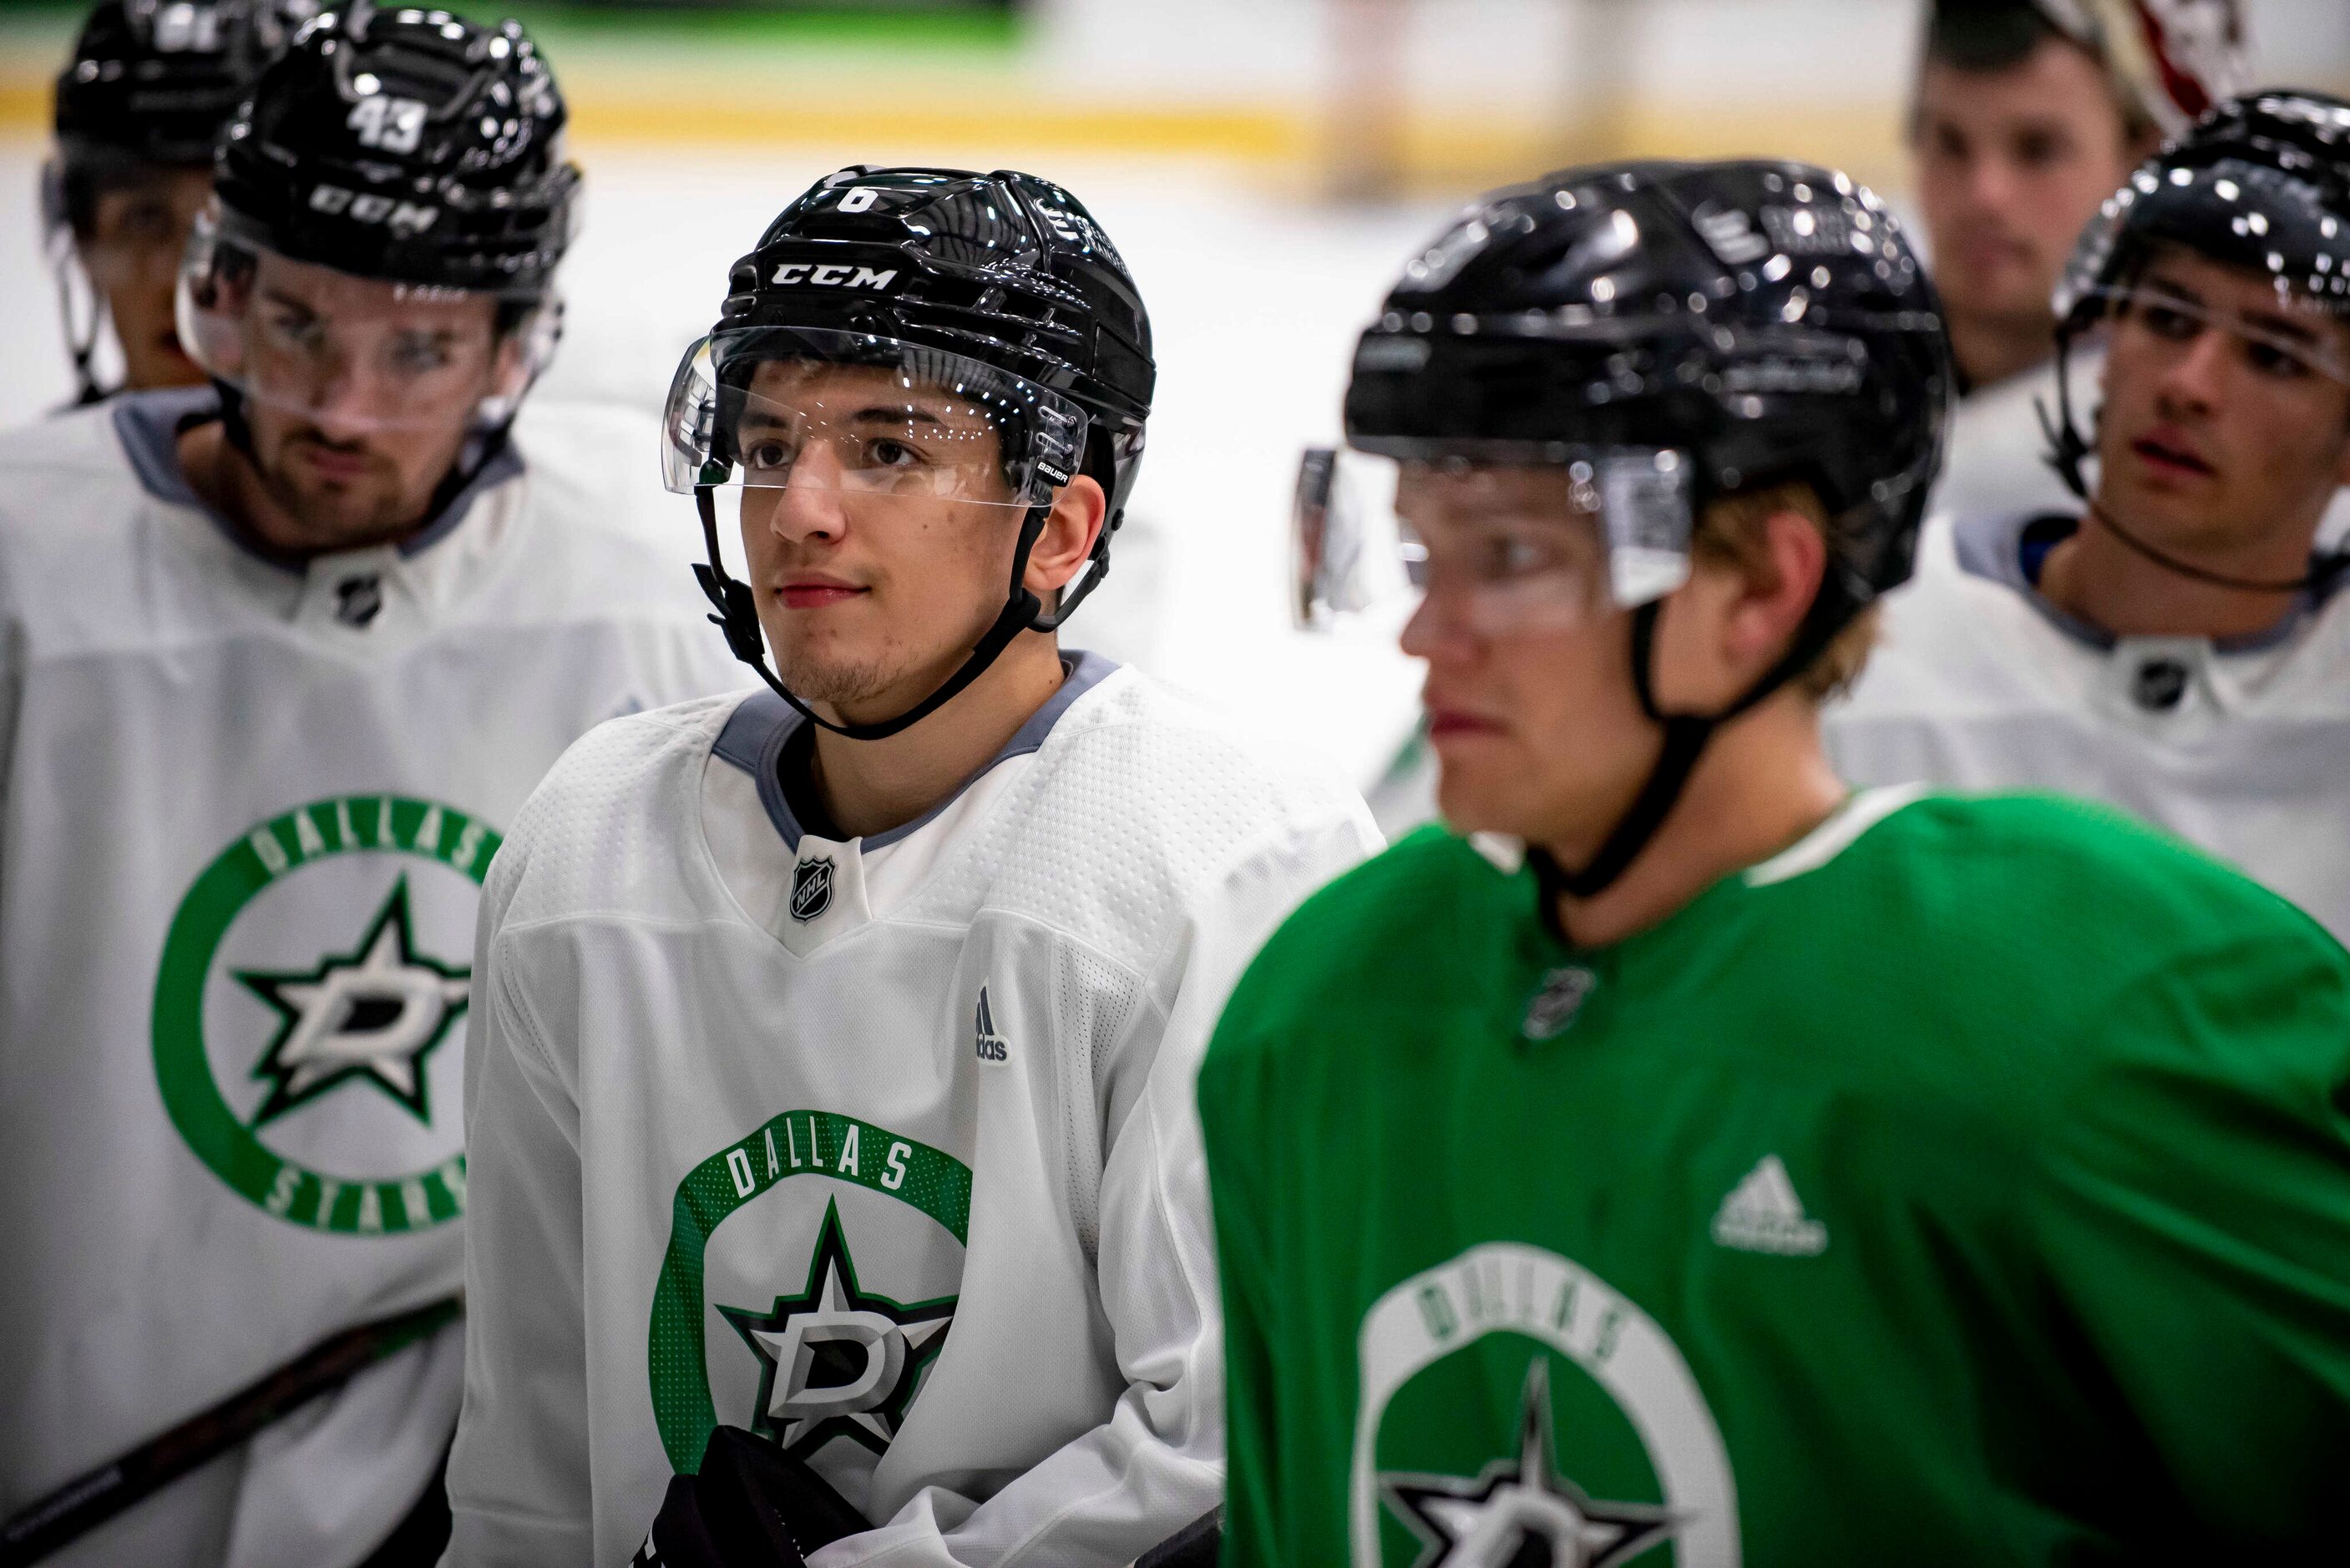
x=1254 y=301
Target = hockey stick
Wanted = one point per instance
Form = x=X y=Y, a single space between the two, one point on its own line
x=92 y=1498
x=1196 y=1545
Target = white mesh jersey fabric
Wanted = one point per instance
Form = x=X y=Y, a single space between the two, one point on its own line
x=169 y=703
x=1030 y=1003
x=1974 y=685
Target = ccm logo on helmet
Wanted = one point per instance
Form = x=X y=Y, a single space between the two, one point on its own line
x=834 y=275
x=400 y=217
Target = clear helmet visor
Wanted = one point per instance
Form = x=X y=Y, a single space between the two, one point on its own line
x=356 y=353
x=2288 y=339
x=1509 y=543
x=854 y=418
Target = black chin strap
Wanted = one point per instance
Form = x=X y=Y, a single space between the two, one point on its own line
x=82 y=325
x=738 y=617
x=2067 y=448
x=1685 y=738
x=2324 y=569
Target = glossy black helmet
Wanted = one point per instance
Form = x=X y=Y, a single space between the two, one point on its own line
x=1767 y=321
x=997 y=291
x=411 y=146
x=2262 y=183
x=155 y=80
x=1003 y=268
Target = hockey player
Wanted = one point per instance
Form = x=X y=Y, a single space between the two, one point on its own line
x=138 y=109
x=830 y=1097
x=2028 y=114
x=2172 y=641
x=1704 y=1164
x=279 y=660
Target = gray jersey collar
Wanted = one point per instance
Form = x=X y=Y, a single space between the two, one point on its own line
x=148 y=424
x=755 y=732
x=1990 y=545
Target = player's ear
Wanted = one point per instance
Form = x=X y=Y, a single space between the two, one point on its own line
x=1782 y=580
x=1079 y=510
x=1732 y=622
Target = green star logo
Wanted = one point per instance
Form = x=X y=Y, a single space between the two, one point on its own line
x=372 y=1015
x=834 y=1361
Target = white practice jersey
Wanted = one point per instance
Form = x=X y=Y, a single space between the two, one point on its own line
x=2242 y=749
x=884 y=1148
x=245 y=811
x=1997 y=459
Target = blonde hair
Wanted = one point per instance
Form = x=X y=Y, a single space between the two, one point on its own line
x=1732 y=530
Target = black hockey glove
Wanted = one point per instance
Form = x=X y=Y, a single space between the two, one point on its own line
x=751 y=1506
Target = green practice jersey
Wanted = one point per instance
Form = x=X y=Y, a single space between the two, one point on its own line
x=1967 y=1184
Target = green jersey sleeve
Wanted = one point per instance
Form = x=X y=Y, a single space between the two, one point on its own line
x=2190 y=1212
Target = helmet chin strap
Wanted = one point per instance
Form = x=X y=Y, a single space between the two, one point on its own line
x=1685 y=738
x=738 y=617
x=81 y=314
x=2322 y=572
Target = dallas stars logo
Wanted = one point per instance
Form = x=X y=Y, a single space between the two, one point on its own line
x=1520 y=1511
x=835 y=1362
x=373 y=1014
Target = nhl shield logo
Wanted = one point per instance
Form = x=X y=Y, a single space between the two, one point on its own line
x=811 y=888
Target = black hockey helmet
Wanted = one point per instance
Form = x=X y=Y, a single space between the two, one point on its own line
x=153 y=81
x=410 y=150
x=150 y=86
x=411 y=146
x=1669 y=332
x=1767 y=321
x=2261 y=184
x=1000 y=286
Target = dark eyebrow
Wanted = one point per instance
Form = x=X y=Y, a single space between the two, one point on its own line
x=2280 y=327
x=278 y=297
x=759 y=418
x=880 y=415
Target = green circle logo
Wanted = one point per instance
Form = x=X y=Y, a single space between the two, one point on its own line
x=835 y=1359
x=370 y=1011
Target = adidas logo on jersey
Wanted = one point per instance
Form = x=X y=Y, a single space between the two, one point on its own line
x=1762 y=1214
x=990 y=1046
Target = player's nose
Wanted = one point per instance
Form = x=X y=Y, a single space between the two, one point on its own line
x=2191 y=380
x=809 y=507
x=1439 y=630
